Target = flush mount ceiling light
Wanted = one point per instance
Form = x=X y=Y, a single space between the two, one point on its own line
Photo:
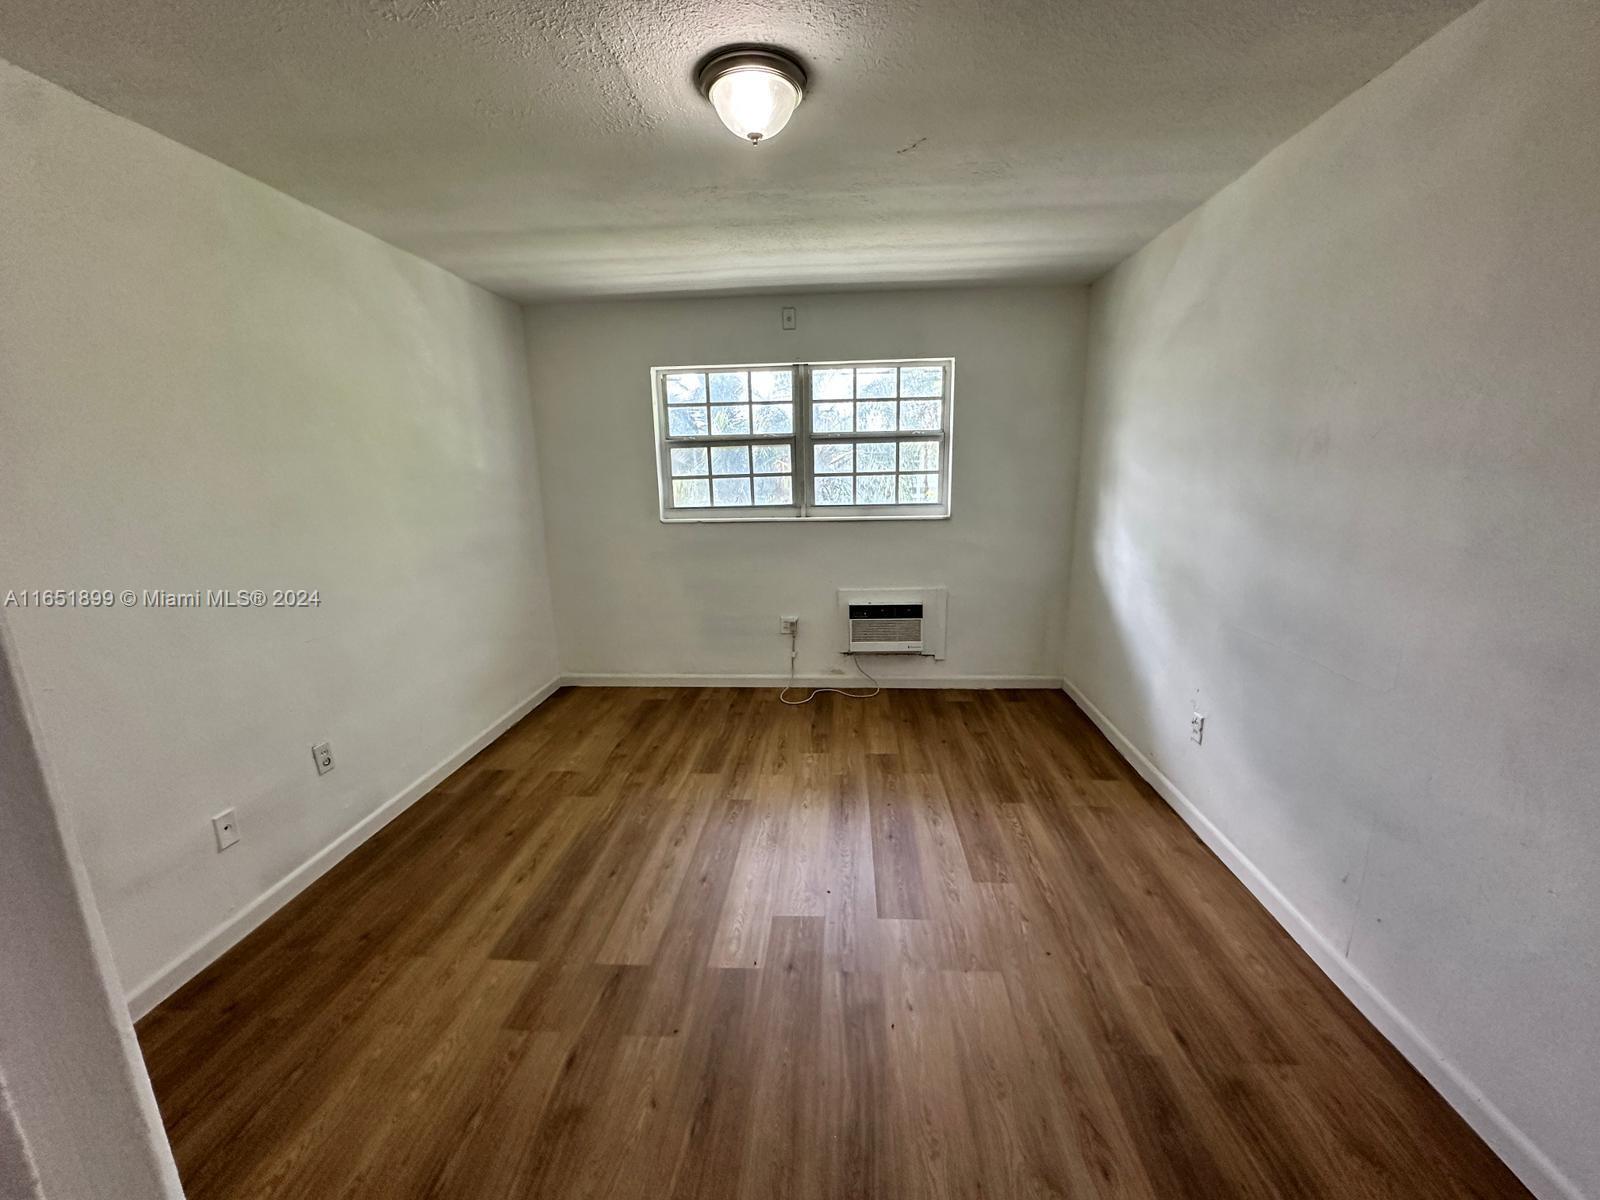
x=755 y=89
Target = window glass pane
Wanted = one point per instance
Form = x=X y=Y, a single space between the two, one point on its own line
x=832 y=418
x=874 y=489
x=771 y=387
x=686 y=422
x=773 y=418
x=919 y=456
x=730 y=418
x=730 y=492
x=919 y=414
x=730 y=460
x=875 y=416
x=691 y=493
x=689 y=462
x=833 y=458
x=729 y=387
x=686 y=389
x=772 y=460
x=831 y=385
x=922 y=381
x=919 y=489
x=774 y=489
x=835 y=489
x=874 y=382
x=874 y=456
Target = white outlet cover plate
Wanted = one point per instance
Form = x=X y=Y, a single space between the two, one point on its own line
x=226 y=826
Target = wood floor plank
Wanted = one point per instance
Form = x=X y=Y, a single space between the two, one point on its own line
x=712 y=1104
x=937 y=1150
x=662 y=942
x=752 y=896
x=488 y=1160
x=858 y=1134
x=686 y=949
x=1022 y=1150
x=896 y=859
x=641 y=921
x=784 y=1110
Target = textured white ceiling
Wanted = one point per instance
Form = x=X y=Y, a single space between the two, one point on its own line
x=554 y=149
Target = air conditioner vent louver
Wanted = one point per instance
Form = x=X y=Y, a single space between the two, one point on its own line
x=870 y=630
x=886 y=628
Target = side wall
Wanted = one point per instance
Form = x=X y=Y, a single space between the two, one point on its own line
x=1341 y=493
x=209 y=385
x=637 y=598
x=77 y=1118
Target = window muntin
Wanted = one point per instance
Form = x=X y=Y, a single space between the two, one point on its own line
x=875 y=473
x=871 y=440
x=732 y=475
x=730 y=402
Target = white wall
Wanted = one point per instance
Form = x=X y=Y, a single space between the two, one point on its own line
x=77 y=1117
x=1341 y=488
x=636 y=597
x=207 y=384
x=19 y=1177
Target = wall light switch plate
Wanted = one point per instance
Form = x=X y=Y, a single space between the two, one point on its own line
x=1197 y=728
x=323 y=753
x=226 y=828
x=790 y=320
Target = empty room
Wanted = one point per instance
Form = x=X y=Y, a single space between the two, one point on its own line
x=834 y=600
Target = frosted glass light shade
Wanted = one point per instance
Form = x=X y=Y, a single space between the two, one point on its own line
x=754 y=102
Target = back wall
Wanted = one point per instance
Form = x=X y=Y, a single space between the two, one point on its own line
x=635 y=597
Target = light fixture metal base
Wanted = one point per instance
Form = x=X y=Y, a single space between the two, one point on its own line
x=733 y=58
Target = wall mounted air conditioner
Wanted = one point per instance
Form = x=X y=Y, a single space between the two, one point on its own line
x=895 y=620
x=885 y=628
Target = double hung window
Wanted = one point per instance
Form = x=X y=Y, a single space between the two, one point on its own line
x=844 y=440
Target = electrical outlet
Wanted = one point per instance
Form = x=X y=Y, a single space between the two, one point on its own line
x=787 y=625
x=226 y=828
x=323 y=754
x=789 y=319
x=1197 y=728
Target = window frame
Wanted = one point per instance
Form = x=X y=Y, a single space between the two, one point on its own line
x=802 y=439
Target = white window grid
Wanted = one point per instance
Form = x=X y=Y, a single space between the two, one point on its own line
x=853 y=447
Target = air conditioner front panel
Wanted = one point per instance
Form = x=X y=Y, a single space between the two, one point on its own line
x=885 y=628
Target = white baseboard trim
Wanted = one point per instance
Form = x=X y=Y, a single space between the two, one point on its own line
x=153 y=990
x=1519 y=1152
x=852 y=681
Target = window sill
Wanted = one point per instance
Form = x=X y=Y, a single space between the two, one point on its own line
x=817 y=520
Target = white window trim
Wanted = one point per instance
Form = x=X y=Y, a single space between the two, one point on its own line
x=802 y=439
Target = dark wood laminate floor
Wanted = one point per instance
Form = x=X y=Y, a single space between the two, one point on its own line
x=693 y=943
